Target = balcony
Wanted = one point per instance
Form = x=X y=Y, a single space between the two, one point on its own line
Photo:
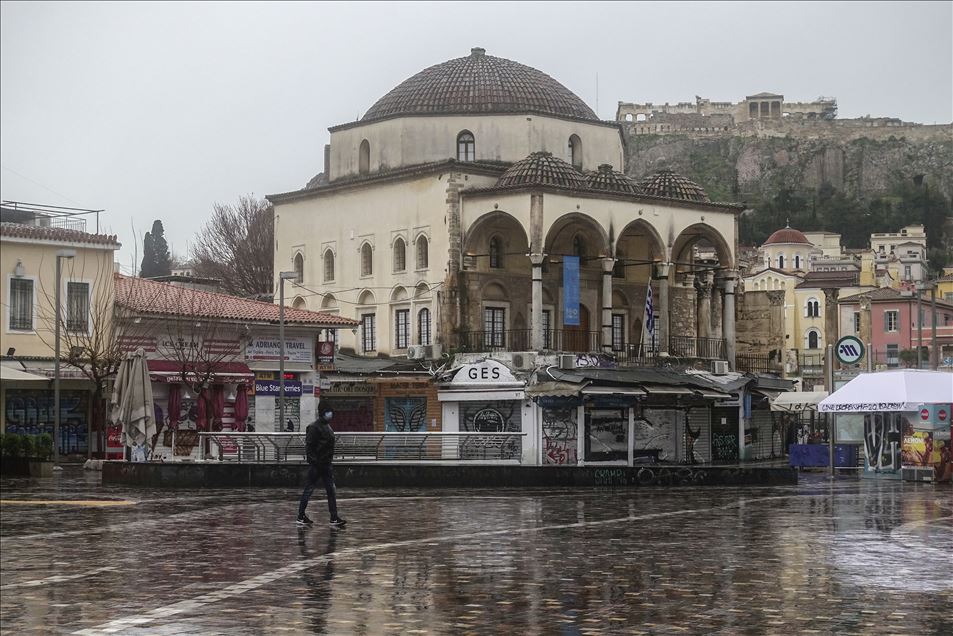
x=576 y=341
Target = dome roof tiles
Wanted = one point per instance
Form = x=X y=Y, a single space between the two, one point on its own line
x=542 y=168
x=672 y=185
x=787 y=235
x=479 y=84
x=609 y=180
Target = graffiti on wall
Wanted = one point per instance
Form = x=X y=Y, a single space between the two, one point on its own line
x=492 y=416
x=405 y=415
x=882 y=442
x=560 y=435
x=657 y=429
x=30 y=412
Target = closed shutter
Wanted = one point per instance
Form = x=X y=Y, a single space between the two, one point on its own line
x=699 y=420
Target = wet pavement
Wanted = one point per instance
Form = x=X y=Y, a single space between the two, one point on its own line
x=848 y=557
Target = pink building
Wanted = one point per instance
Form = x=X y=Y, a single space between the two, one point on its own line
x=893 y=326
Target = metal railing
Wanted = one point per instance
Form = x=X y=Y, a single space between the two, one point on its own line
x=522 y=340
x=692 y=347
x=367 y=447
x=756 y=363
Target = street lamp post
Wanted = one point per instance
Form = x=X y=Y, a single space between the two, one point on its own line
x=282 y=276
x=60 y=255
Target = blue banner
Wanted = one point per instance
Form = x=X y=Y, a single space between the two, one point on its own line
x=571 y=291
x=271 y=387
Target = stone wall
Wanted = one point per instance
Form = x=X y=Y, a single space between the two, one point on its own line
x=759 y=327
x=682 y=305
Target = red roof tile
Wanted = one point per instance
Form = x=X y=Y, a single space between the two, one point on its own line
x=151 y=297
x=59 y=234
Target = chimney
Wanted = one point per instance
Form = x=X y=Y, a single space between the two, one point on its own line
x=327 y=161
x=477 y=51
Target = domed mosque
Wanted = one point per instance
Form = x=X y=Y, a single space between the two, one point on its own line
x=446 y=216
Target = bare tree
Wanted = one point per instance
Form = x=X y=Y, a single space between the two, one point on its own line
x=201 y=347
x=92 y=340
x=236 y=246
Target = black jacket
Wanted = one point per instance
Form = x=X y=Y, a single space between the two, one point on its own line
x=319 y=443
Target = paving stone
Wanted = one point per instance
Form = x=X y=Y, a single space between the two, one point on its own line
x=849 y=557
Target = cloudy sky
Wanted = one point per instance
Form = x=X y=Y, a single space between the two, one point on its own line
x=159 y=110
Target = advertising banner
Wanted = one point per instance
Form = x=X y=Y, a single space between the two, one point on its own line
x=266 y=348
x=272 y=388
x=571 y=291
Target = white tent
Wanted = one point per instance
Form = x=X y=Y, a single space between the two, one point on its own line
x=902 y=390
x=797 y=401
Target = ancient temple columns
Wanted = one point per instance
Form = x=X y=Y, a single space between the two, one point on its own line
x=607 y=264
x=537 y=299
x=662 y=271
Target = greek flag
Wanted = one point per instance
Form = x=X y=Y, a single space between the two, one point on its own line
x=649 y=312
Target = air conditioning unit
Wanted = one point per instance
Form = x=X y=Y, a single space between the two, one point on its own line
x=416 y=352
x=524 y=361
x=434 y=351
x=719 y=367
x=567 y=361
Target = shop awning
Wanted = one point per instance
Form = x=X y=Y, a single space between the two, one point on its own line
x=613 y=390
x=712 y=395
x=15 y=375
x=902 y=390
x=667 y=390
x=473 y=396
x=222 y=372
x=797 y=401
x=553 y=389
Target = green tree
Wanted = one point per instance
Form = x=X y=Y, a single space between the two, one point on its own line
x=148 y=267
x=162 y=258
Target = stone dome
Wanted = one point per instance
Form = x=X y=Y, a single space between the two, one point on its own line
x=542 y=168
x=787 y=235
x=609 y=180
x=672 y=185
x=479 y=84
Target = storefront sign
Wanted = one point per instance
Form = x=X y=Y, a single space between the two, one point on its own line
x=349 y=388
x=296 y=349
x=571 y=291
x=273 y=387
x=325 y=351
x=483 y=373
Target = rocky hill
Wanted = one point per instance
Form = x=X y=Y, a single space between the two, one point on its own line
x=771 y=166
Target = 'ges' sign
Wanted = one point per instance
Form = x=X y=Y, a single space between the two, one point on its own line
x=485 y=372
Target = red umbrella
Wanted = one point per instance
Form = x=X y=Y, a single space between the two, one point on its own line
x=241 y=408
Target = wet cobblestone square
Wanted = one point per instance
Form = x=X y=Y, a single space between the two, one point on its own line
x=848 y=557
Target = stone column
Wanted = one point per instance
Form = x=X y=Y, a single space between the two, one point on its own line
x=662 y=272
x=728 y=283
x=607 y=264
x=830 y=316
x=703 y=285
x=537 y=310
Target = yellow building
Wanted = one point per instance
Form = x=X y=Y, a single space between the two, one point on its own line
x=28 y=258
x=944 y=285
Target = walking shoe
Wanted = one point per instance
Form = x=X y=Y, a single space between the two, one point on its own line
x=303 y=521
x=338 y=523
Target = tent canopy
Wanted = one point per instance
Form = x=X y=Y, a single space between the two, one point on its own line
x=797 y=401
x=10 y=375
x=902 y=390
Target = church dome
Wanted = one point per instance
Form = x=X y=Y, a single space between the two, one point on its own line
x=787 y=235
x=672 y=185
x=609 y=180
x=542 y=168
x=479 y=84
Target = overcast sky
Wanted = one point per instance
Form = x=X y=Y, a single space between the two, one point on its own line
x=159 y=110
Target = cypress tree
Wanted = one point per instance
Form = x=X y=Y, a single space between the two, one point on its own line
x=148 y=267
x=161 y=256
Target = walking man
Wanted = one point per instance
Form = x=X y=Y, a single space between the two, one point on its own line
x=319 y=449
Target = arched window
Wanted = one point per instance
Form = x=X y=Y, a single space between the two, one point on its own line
x=423 y=327
x=780 y=261
x=328 y=266
x=298 y=303
x=400 y=255
x=364 y=158
x=423 y=252
x=797 y=261
x=299 y=268
x=496 y=253
x=367 y=260
x=574 y=154
x=813 y=339
x=466 y=146
x=813 y=309
x=578 y=246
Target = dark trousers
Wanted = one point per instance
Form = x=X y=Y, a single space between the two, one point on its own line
x=314 y=474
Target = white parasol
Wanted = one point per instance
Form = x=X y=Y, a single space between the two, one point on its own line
x=901 y=390
x=131 y=405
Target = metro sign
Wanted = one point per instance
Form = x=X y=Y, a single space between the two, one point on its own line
x=849 y=350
